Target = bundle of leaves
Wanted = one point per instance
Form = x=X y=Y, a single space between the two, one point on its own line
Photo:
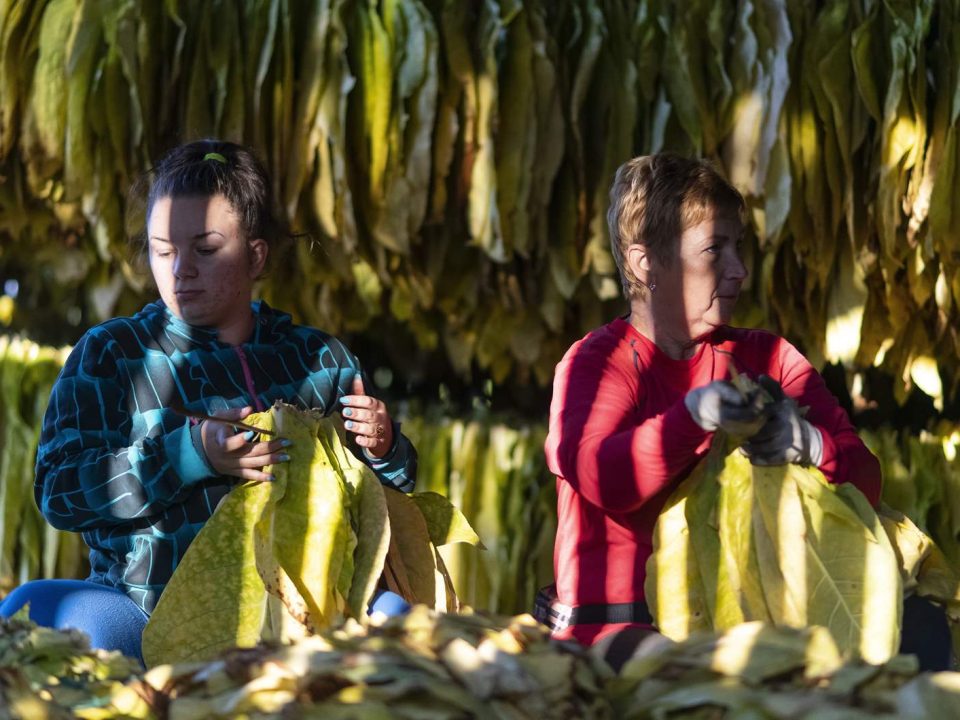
x=781 y=545
x=286 y=559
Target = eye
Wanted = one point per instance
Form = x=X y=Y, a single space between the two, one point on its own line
x=163 y=253
x=206 y=250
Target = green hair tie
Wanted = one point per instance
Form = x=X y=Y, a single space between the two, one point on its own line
x=215 y=156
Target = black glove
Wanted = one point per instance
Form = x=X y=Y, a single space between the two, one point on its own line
x=785 y=437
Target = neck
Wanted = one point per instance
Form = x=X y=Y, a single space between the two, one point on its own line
x=237 y=330
x=673 y=345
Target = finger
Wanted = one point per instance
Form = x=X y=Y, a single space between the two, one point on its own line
x=729 y=394
x=767 y=460
x=771 y=386
x=368 y=442
x=253 y=474
x=358 y=385
x=233 y=413
x=265 y=447
x=359 y=401
x=259 y=461
x=742 y=414
x=361 y=428
x=361 y=414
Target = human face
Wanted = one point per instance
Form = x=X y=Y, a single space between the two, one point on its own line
x=203 y=265
x=696 y=293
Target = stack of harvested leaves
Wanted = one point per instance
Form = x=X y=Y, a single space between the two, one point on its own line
x=47 y=673
x=758 y=671
x=424 y=665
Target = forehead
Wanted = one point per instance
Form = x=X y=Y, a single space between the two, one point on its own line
x=172 y=217
x=712 y=224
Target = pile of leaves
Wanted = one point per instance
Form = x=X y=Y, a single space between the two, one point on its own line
x=285 y=559
x=424 y=665
x=758 y=671
x=54 y=674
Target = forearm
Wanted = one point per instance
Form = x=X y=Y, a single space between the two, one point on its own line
x=847 y=459
x=83 y=483
x=621 y=471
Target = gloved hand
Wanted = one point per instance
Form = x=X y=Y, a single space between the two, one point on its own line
x=720 y=406
x=786 y=437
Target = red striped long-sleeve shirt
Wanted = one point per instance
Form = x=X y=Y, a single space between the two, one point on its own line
x=621 y=440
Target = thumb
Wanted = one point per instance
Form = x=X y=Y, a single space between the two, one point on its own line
x=358 y=385
x=233 y=413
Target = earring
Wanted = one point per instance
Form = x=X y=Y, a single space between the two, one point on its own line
x=652 y=286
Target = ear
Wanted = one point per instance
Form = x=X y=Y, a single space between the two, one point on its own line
x=258 y=250
x=639 y=262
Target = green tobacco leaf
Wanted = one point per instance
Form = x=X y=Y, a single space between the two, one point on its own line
x=411 y=539
x=216 y=598
x=445 y=523
x=307 y=534
x=48 y=111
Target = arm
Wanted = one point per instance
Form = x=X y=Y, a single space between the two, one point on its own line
x=845 y=457
x=601 y=442
x=91 y=471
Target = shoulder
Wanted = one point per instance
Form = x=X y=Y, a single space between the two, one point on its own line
x=328 y=350
x=125 y=331
x=763 y=351
x=752 y=340
x=610 y=345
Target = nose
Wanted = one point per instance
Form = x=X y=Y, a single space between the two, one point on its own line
x=183 y=266
x=736 y=269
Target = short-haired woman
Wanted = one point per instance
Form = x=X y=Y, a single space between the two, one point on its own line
x=636 y=402
x=118 y=461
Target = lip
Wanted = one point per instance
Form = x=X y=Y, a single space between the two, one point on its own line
x=187 y=294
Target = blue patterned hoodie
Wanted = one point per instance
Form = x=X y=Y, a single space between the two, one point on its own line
x=116 y=464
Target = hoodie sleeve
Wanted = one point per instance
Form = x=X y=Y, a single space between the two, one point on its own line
x=93 y=470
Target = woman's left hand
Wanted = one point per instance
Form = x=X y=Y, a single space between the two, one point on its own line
x=367 y=418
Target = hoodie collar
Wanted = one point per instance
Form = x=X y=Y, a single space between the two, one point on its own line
x=266 y=323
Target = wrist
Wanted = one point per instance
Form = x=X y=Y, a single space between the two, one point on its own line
x=816 y=445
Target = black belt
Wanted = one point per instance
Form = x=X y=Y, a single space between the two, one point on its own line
x=557 y=616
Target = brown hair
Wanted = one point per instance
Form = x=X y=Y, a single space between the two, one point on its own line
x=654 y=198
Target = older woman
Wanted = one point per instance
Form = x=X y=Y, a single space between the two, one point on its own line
x=636 y=402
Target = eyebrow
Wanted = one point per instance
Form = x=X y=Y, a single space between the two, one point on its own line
x=198 y=236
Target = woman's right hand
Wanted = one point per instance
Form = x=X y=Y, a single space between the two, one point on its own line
x=720 y=406
x=235 y=453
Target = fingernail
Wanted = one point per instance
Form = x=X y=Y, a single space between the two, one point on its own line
x=348 y=424
x=286 y=443
x=284 y=457
x=249 y=435
x=347 y=411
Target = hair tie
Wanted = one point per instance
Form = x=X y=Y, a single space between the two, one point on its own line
x=215 y=156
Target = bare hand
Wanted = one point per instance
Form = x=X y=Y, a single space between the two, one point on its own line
x=235 y=453
x=367 y=418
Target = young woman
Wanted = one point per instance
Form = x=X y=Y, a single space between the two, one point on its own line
x=120 y=463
